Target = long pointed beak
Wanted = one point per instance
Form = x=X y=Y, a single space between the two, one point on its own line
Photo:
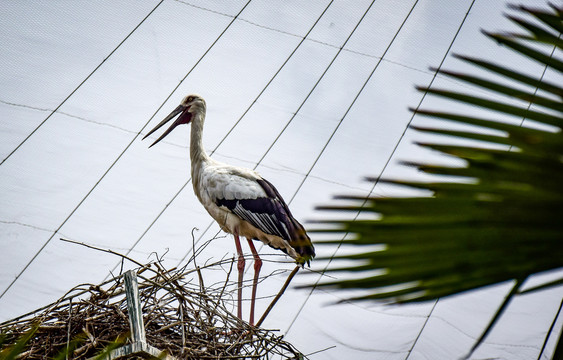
x=184 y=118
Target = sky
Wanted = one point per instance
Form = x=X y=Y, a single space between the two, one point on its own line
x=315 y=96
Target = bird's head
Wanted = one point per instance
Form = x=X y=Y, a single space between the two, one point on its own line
x=190 y=105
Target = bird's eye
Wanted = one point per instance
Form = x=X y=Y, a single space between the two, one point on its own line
x=190 y=98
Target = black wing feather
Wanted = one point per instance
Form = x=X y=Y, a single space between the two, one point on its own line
x=263 y=213
x=272 y=215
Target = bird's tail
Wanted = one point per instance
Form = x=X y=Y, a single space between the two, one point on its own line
x=302 y=244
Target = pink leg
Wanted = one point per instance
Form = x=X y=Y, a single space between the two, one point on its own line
x=257 y=266
x=240 y=267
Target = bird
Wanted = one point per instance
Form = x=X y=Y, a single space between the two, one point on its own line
x=241 y=201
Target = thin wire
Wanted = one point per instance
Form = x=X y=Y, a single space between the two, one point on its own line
x=549 y=332
x=79 y=86
x=96 y=184
x=273 y=77
x=536 y=90
x=390 y=156
x=352 y=103
x=408 y=125
x=119 y=156
x=314 y=87
x=424 y=327
x=376 y=66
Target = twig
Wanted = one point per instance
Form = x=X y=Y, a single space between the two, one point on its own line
x=193 y=245
x=104 y=250
x=321 y=350
x=280 y=293
x=68 y=327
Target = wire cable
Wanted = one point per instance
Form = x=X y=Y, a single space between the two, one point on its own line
x=35 y=130
x=80 y=85
x=392 y=153
x=115 y=161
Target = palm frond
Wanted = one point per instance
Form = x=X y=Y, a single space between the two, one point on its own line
x=502 y=222
x=499 y=219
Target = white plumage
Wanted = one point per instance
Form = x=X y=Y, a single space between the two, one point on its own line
x=240 y=200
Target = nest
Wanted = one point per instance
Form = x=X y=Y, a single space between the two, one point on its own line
x=182 y=318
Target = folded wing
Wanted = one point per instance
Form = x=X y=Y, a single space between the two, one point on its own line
x=258 y=202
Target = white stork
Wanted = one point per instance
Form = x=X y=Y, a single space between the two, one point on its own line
x=240 y=200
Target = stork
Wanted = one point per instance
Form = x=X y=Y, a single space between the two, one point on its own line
x=241 y=201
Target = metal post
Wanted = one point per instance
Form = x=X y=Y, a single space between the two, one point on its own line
x=138 y=346
x=134 y=307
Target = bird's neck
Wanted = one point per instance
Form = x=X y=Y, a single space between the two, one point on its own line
x=197 y=151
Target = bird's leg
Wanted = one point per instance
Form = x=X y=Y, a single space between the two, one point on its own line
x=257 y=266
x=240 y=267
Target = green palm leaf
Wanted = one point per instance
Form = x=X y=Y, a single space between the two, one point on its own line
x=500 y=217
